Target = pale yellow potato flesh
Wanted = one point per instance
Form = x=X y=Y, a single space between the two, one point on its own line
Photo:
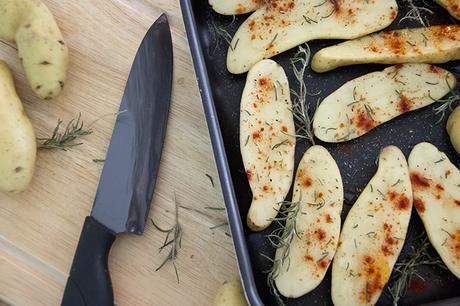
x=231 y=293
x=41 y=47
x=267 y=140
x=373 y=233
x=375 y=98
x=318 y=186
x=436 y=186
x=453 y=128
x=18 y=147
x=236 y=7
x=286 y=23
x=452 y=6
x=432 y=45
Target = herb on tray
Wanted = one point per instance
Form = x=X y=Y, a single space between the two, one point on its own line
x=406 y=270
x=222 y=33
x=175 y=241
x=415 y=13
x=446 y=103
x=72 y=132
x=299 y=104
x=282 y=238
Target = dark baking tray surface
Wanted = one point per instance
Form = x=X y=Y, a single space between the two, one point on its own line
x=221 y=92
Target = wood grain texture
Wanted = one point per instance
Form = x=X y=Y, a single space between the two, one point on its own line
x=39 y=229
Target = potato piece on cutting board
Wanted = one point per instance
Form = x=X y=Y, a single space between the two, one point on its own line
x=373 y=233
x=375 y=98
x=433 y=45
x=318 y=186
x=452 y=6
x=231 y=293
x=436 y=185
x=285 y=24
x=267 y=140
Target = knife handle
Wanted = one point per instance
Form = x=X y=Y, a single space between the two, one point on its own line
x=89 y=280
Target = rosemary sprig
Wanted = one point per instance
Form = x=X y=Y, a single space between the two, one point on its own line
x=282 y=238
x=415 y=13
x=299 y=107
x=72 y=132
x=175 y=241
x=406 y=270
x=446 y=103
x=222 y=33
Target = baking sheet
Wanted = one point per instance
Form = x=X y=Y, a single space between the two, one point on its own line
x=221 y=93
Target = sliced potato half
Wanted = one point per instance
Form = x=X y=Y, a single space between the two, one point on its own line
x=267 y=140
x=285 y=24
x=236 y=7
x=318 y=186
x=452 y=6
x=368 y=101
x=436 y=185
x=433 y=45
x=373 y=233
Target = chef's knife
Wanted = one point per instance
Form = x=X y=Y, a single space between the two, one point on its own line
x=130 y=170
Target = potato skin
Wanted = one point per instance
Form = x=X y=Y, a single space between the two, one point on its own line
x=41 y=47
x=231 y=293
x=453 y=128
x=18 y=147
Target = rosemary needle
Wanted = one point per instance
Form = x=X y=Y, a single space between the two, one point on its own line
x=406 y=270
x=299 y=107
x=175 y=242
x=72 y=132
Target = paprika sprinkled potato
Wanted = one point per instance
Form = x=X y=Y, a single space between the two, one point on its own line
x=435 y=182
x=17 y=139
x=41 y=47
x=433 y=45
x=267 y=140
x=373 y=233
x=285 y=24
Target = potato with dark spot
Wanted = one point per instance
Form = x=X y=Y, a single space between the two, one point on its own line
x=41 y=47
x=231 y=293
x=18 y=147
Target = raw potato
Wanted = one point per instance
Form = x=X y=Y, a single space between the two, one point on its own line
x=42 y=50
x=435 y=182
x=17 y=139
x=453 y=128
x=286 y=23
x=368 y=101
x=231 y=293
x=236 y=7
x=373 y=233
x=267 y=143
x=318 y=184
x=432 y=45
x=452 y=6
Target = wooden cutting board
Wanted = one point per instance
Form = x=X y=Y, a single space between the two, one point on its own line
x=39 y=229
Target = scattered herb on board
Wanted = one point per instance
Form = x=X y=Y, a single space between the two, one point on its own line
x=282 y=238
x=72 y=132
x=175 y=241
x=406 y=270
x=299 y=104
x=224 y=223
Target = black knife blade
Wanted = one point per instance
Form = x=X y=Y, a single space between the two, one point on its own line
x=128 y=178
